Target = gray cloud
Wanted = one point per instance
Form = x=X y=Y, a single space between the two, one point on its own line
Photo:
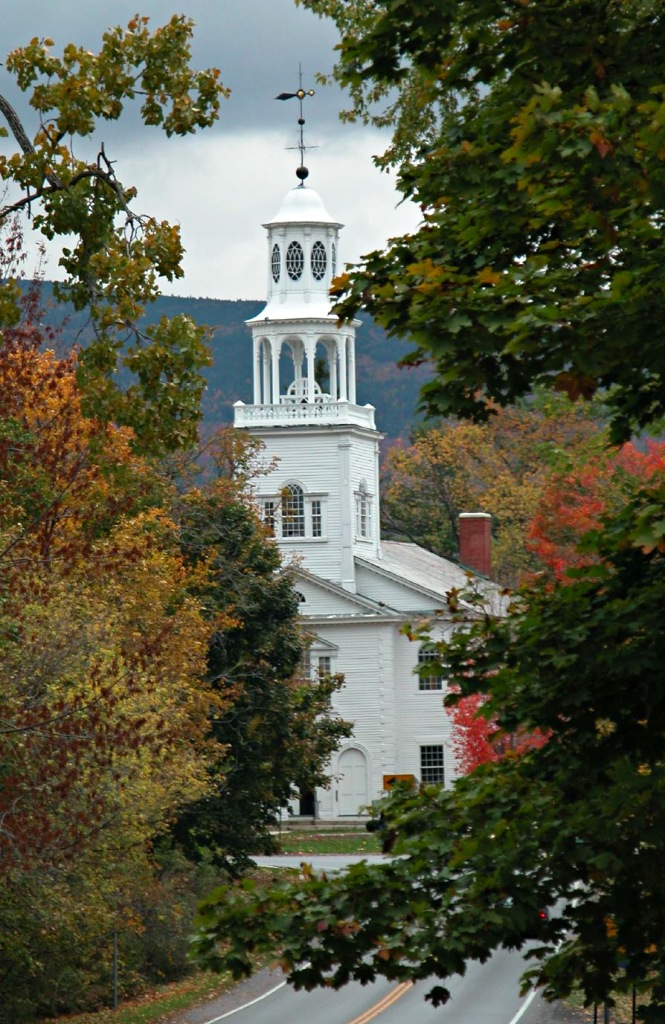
x=223 y=184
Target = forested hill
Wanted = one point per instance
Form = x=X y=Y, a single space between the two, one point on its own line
x=380 y=382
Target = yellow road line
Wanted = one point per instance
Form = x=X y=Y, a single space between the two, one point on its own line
x=383 y=1004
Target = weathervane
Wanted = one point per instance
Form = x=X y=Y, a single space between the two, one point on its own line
x=300 y=95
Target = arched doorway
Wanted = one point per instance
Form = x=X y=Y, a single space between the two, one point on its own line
x=352 y=782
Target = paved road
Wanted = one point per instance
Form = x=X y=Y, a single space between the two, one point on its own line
x=487 y=994
x=265 y=999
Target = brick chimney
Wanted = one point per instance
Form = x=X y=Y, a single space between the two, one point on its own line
x=475 y=541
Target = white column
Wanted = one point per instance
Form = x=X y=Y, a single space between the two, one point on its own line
x=275 y=345
x=256 y=372
x=265 y=372
x=311 y=372
x=341 y=351
x=351 y=348
x=332 y=371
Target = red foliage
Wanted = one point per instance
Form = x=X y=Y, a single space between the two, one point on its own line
x=476 y=739
x=574 y=502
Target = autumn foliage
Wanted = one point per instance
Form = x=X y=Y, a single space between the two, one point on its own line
x=574 y=501
x=148 y=642
x=500 y=467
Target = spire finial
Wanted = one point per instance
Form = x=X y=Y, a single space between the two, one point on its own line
x=301 y=172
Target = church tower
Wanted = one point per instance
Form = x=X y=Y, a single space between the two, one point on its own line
x=321 y=500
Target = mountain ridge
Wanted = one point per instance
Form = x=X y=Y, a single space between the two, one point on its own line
x=393 y=391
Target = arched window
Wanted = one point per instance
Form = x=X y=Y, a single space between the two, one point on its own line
x=293 y=511
x=295 y=260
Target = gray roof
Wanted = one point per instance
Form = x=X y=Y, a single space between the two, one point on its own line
x=415 y=567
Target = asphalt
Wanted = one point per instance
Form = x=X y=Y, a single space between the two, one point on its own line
x=263 y=981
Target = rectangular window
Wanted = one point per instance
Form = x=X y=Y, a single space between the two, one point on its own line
x=431 y=764
x=317 y=518
x=269 y=514
x=324 y=667
x=306 y=664
x=427 y=681
x=363 y=515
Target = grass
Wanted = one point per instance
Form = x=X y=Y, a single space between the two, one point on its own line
x=159 y=1004
x=313 y=841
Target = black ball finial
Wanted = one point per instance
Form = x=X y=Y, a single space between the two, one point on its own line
x=302 y=173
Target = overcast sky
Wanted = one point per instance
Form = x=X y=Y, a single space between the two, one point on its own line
x=222 y=184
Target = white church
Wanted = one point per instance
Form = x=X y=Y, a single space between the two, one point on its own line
x=322 y=504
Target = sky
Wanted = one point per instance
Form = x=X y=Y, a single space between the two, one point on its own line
x=223 y=183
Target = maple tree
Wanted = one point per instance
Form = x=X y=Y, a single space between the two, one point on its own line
x=578 y=495
x=102 y=648
x=113 y=254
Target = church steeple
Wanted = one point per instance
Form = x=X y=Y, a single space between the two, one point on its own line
x=321 y=499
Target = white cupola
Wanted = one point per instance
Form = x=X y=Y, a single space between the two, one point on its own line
x=302 y=356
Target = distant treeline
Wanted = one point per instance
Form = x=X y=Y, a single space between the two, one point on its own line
x=380 y=382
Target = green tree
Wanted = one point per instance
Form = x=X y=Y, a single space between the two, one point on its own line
x=538 y=163
x=118 y=254
x=536 y=156
x=279 y=732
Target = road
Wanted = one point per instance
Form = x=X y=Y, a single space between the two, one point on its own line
x=486 y=994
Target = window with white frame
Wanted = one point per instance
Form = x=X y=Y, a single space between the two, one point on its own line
x=428 y=658
x=432 y=764
x=363 y=512
x=295 y=260
x=318 y=261
x=269 y=514
x=306 y=663
x=324 y=666
x=293 y=511
x=317 y=517
x=294 y=514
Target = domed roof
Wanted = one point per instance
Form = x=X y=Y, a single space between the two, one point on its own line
x=302 y=205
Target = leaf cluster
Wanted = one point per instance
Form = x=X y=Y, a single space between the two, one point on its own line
x=501 y=467
x=542 y=198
